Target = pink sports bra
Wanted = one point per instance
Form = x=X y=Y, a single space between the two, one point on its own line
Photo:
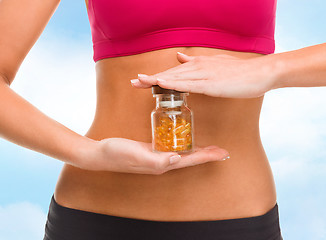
x=127 y=27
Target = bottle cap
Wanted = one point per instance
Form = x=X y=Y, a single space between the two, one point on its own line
x=156 y=89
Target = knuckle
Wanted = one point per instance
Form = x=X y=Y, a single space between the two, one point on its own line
x=200 y=63
x=190 y=84
x=157 y=171
x=154 y=77
x=160 y=166
x=151 y=164
x=199 y=58
x=135 y=162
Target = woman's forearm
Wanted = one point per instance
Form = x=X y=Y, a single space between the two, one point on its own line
x=305 y=67
x=24 y=125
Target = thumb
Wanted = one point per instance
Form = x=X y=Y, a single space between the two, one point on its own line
x=183 y=57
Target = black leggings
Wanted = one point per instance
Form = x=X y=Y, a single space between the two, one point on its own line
x=70 y=224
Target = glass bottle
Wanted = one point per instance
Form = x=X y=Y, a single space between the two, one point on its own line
x=172 y=121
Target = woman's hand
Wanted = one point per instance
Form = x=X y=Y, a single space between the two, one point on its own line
x=216 y=76
x=124 y=155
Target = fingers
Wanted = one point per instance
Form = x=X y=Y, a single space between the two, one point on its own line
x=165 y=161
x=145 y=81
x=138 y=84
x=143 y=160
x=184 y=71
x=189 y=82
x=124 y=155
x=201 y=156
x=195 y=86
x=159 y=162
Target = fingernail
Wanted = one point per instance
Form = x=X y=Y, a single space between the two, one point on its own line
x=175 y=159
x=142 y=75
x=182 y=53
x=161 y=80
x=134 y=81
x=225 y=158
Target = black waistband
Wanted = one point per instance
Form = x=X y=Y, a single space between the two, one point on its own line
x=66 y=223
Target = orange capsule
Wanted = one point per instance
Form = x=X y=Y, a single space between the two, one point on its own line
x=171 y=121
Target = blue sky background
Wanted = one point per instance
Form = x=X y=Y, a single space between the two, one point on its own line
x=293 y=125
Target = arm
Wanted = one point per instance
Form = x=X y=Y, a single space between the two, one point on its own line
x=21 y=23
x=227 y=76
x=305 y=67
x=23 y=124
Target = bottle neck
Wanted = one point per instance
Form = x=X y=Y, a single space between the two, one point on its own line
x=171 y=100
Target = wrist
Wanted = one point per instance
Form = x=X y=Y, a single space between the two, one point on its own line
x=275 y=70
x=83 y=152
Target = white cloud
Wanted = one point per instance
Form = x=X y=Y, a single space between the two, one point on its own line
x=58 y=77
x=303 y=217
x=290 y=170
x=21 y=221
x=293 y=121
x=285 y=41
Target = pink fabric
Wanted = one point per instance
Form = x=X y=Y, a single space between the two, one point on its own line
x=126 y=27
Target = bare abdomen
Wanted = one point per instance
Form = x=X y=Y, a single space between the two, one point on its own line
x=242 y=186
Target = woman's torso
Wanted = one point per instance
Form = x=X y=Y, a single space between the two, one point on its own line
x=241 y=186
